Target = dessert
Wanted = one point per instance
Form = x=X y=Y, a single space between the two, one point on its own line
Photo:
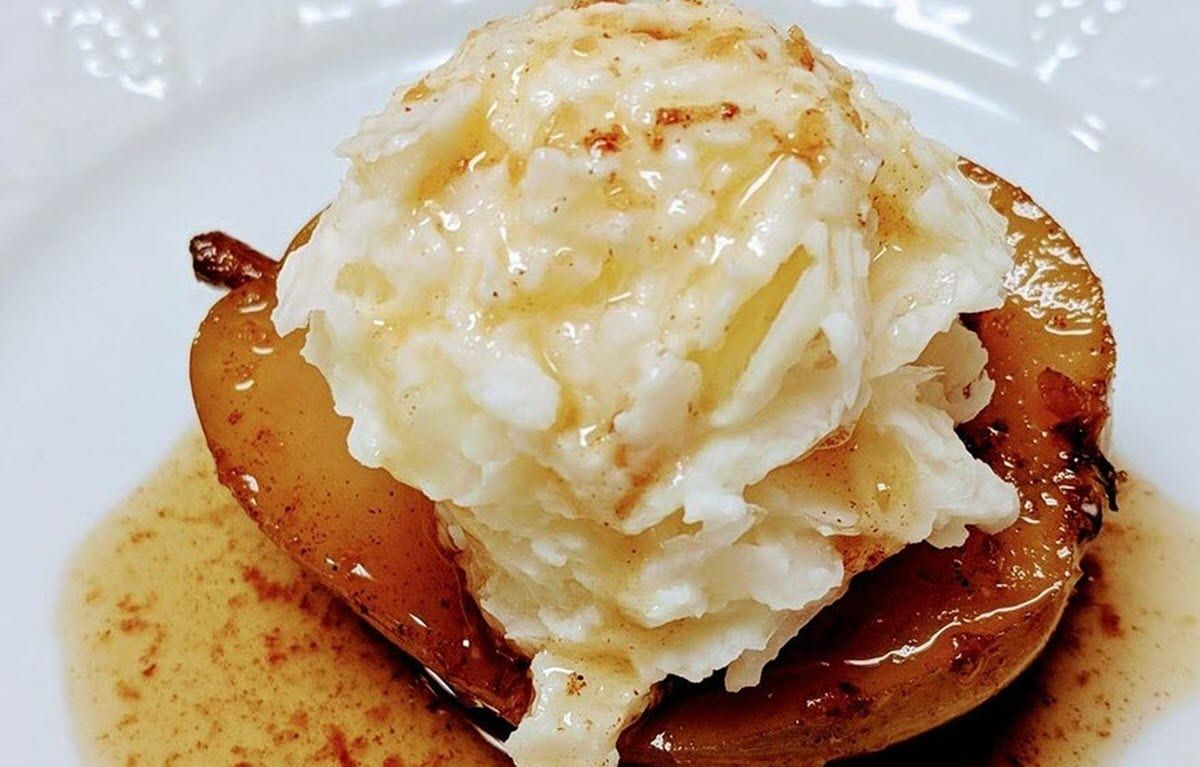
x=645 y=318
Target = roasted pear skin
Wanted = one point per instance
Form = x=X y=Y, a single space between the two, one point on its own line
x=923 y=638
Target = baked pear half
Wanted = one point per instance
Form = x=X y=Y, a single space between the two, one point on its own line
x=923 y=638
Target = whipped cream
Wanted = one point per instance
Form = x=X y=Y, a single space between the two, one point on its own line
x=660 y=305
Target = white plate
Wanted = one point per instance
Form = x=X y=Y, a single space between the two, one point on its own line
x=130 y=125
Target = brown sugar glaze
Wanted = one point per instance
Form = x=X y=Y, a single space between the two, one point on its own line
x=192 y=640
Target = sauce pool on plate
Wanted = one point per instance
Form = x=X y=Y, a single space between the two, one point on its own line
x=190 y=639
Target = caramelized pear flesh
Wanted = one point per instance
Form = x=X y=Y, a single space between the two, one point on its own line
x=932 y=633
x=280 y=448
x=922 y=639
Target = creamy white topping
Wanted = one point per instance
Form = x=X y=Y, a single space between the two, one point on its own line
x=660 y=305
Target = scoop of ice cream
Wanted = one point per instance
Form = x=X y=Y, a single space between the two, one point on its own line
x=660 y=305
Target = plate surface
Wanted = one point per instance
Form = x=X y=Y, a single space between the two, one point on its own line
x=131 y=124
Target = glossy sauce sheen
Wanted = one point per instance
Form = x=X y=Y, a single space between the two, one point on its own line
x=192 y=640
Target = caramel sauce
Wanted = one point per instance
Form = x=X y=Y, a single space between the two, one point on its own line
x=192 y=640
